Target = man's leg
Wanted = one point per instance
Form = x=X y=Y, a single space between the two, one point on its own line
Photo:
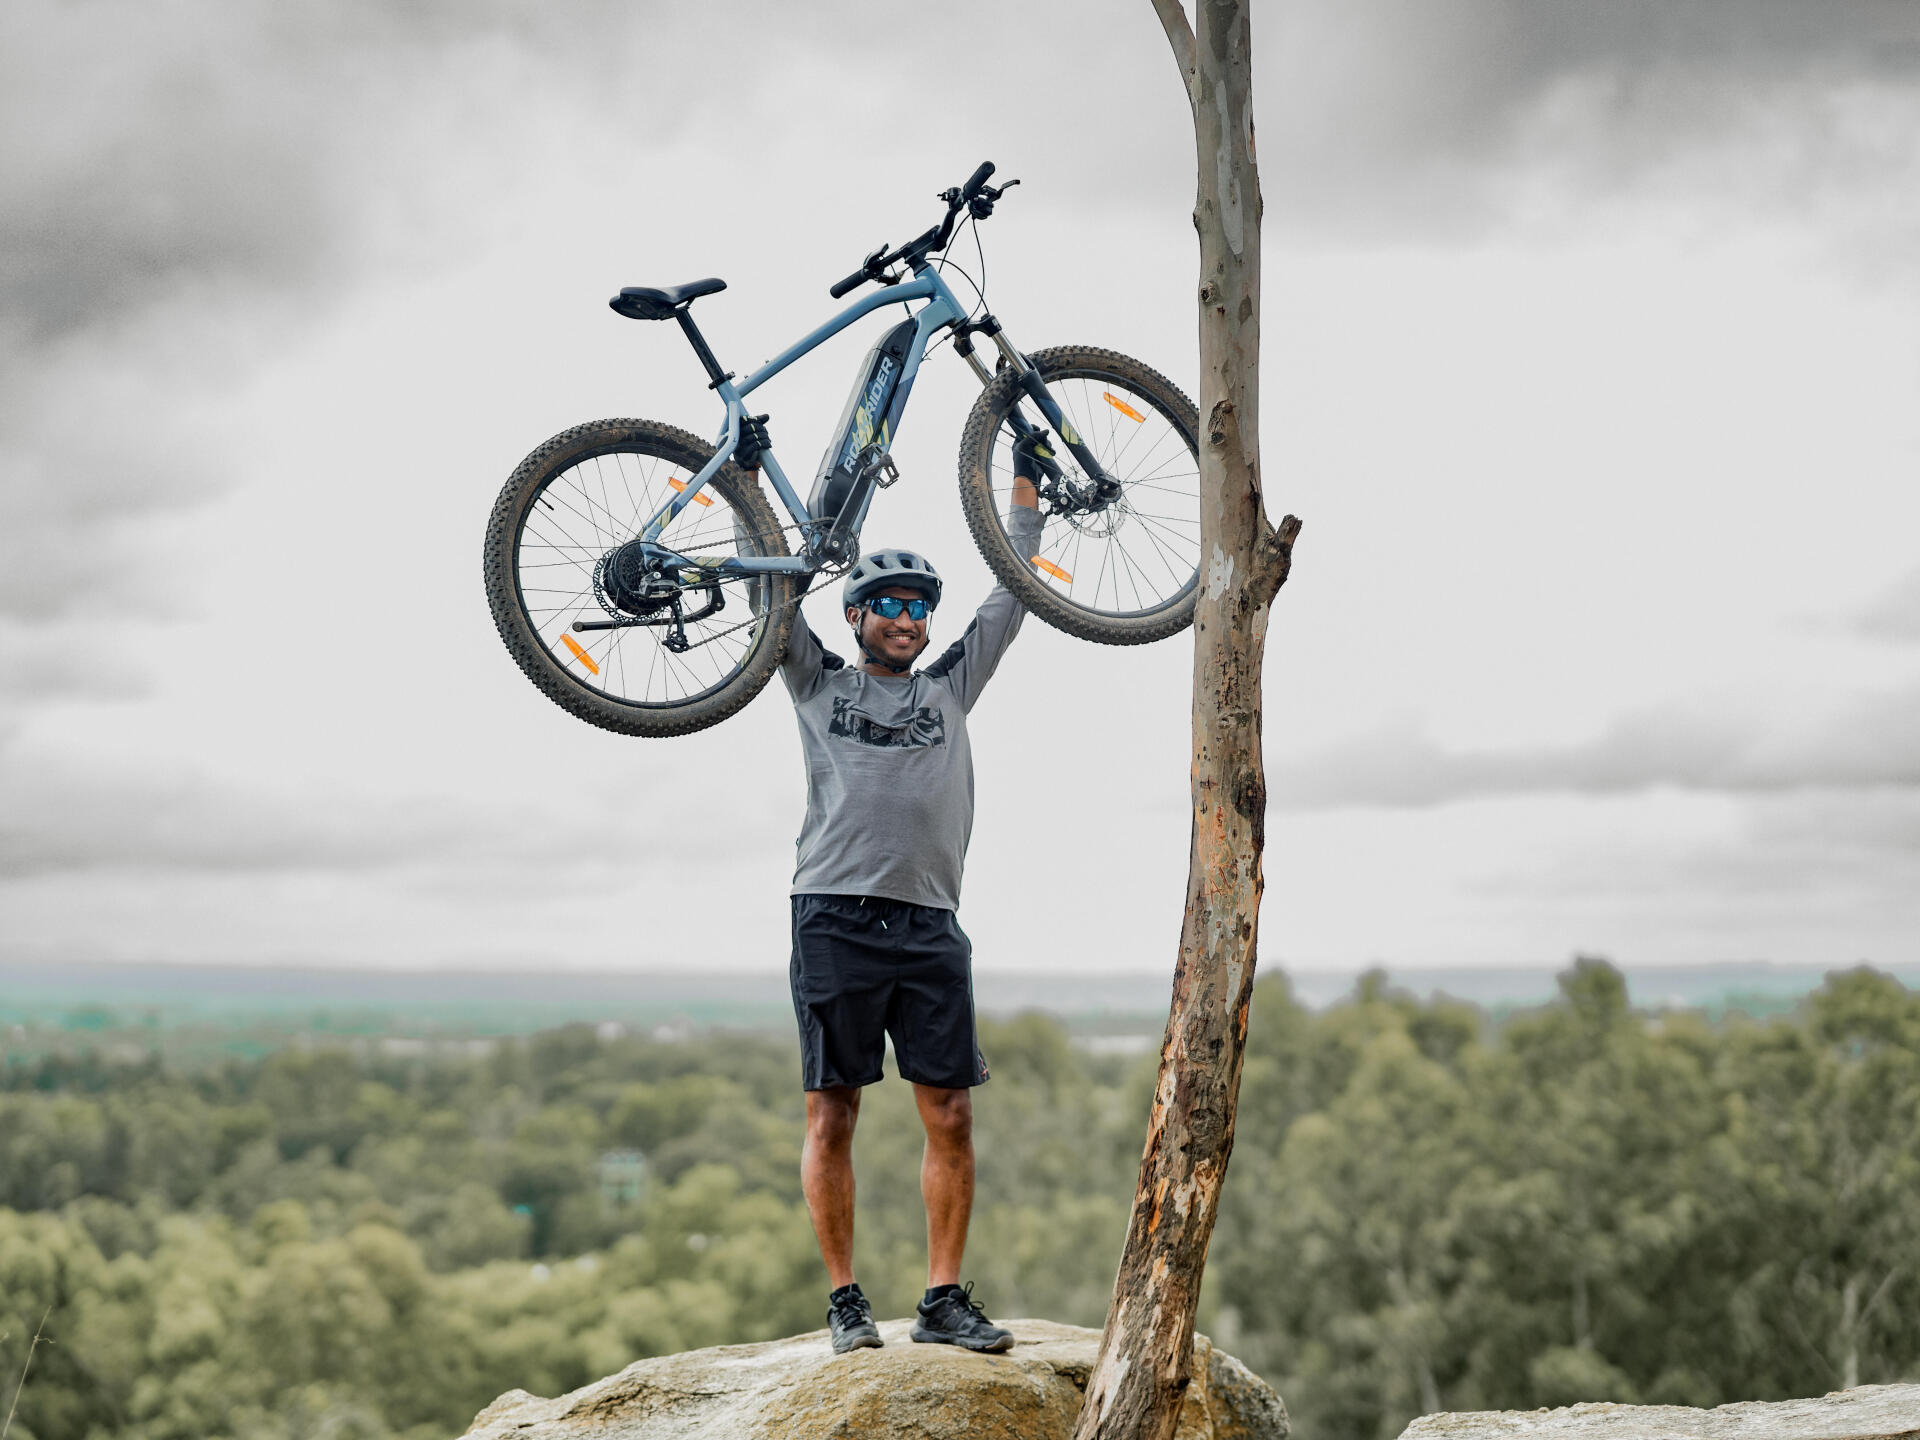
x=946 y=1179
x=826 y=1176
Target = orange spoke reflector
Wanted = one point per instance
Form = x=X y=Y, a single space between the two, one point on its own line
x=698 y=499
x=1122 y=406
x=579 y=654
x=1052 y=569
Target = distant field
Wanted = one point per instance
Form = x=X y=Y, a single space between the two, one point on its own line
x=243 y=1011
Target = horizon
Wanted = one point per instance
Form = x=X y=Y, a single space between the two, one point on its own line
x=252 y=990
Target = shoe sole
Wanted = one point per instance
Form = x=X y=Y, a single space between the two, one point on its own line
x=989 y=1347
x=858 y=1342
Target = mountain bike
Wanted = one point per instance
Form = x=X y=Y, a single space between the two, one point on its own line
x=642 y=581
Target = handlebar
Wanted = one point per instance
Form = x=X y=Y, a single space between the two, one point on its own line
x=869 y=267
x=975 y=196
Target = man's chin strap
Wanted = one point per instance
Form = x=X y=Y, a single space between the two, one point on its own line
x=860 y=639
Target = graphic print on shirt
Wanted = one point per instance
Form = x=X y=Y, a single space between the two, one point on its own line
x=925 y=727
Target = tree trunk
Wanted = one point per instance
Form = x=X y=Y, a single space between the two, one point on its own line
x=1850 y=1333
x=1401 y=1294
x=1582 y=1326
x=1142 y=1371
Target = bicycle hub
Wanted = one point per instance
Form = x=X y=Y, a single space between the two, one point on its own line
x=632 y=585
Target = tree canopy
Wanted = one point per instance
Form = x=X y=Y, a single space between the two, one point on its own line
x=1426 y=1210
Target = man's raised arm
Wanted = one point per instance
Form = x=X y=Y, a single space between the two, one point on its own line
x=971 y=660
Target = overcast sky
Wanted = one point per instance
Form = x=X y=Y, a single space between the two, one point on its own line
x=1591 y=364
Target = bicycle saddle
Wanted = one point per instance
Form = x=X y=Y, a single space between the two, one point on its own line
x=640 y=302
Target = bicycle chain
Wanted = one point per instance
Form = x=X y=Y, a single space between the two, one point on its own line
x=828 y=573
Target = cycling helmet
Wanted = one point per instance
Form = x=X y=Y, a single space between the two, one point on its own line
x=882 y=569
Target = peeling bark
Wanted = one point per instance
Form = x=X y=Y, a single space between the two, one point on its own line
x=1144 y=1365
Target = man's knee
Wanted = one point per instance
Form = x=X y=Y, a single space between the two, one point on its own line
x=948 y=1115
x=831 y=1115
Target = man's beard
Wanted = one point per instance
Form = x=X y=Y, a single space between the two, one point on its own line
x=869 y=649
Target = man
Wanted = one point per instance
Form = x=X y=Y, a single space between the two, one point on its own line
x=876 y=948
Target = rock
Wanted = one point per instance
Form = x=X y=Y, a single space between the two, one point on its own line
x=799 y=1389
x=1867 y=1412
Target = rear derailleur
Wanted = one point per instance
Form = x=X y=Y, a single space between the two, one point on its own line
x=635 y=589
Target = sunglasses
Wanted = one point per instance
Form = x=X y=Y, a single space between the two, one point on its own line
x=891 y=607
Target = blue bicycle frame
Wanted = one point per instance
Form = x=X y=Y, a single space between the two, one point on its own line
x=942 y=310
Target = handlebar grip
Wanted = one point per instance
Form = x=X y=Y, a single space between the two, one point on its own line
x=980 y=177
x=841 y=287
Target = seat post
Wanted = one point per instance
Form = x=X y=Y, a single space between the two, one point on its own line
x=694 y=338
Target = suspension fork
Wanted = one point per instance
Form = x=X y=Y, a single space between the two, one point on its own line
x=1105 y=487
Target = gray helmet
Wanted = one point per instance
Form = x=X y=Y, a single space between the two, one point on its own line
x=883 y=569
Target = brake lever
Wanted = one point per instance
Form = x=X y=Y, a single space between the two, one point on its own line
x=981 y=206
x=871 y=265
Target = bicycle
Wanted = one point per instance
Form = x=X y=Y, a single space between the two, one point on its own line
x=640 y=578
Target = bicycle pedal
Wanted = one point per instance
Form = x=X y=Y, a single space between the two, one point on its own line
x=885 y=474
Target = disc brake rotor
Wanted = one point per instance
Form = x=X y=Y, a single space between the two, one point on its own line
x=1102 y=523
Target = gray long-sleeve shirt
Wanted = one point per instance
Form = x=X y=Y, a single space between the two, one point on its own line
x=889 y=768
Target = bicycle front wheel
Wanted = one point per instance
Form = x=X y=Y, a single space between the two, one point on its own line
x=1124 y=572
x=582 y=639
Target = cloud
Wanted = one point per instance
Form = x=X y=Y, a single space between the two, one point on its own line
x=58 y=818
x=1396 y=117
x=190 y=190
x=65 y=822
x=1872 y=742
x=1896 y=614
x=186 y=186
x=1454 y=78
x=110 y=864
x=1821 y=861
x=156 y=147
x=46 y=663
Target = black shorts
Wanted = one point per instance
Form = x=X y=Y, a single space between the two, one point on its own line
x=864 y=969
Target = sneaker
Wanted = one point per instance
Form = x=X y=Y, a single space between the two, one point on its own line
x=956 y=1318
x=850 y=1321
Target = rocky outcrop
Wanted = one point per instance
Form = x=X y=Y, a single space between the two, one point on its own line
x=1867 y=1412
x=799 y=1389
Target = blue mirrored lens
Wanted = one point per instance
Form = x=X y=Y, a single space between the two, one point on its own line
x=888 y=607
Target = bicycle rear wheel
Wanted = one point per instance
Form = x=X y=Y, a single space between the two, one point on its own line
x=1123 y=574
x=556 y=528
